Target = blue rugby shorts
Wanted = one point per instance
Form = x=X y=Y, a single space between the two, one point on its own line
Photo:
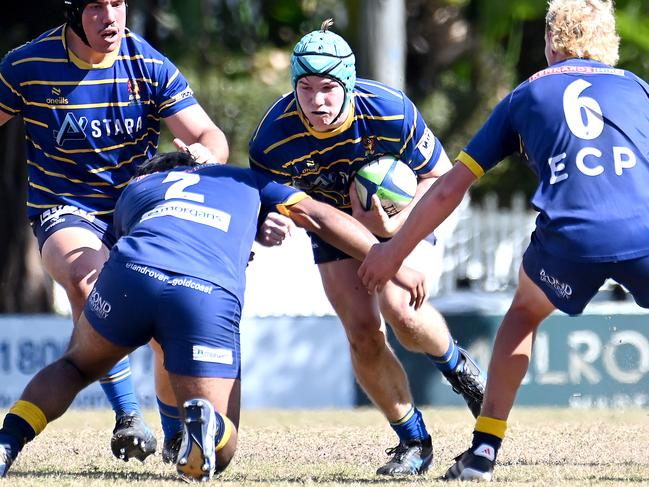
x=195 y=321
x=571 y=285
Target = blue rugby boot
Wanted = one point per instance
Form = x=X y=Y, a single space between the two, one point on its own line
x=171 y=447
x=469 y=381
x=197 y=456
x=411 y=458
x=476 y=465
x=5 y=459
x=132 y=438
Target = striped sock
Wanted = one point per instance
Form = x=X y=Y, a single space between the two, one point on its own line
x=119 y=389
x=411 y=426
x=169 y=419
x=450 y=360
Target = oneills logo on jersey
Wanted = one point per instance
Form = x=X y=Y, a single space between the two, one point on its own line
x=134 y=91
x=58 y=99
x=71 y=129
x=369 y=144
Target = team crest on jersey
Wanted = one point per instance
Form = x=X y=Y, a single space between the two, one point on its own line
x=134 y=91
x=71 y=129
x=369 y=144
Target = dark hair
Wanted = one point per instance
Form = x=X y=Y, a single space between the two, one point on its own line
x=166 y=161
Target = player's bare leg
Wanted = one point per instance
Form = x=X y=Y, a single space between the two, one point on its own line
x=50 y=393
x=513 y=347
x=74 y=257
x=509 y=363
x=210 y=409
x=376 y=366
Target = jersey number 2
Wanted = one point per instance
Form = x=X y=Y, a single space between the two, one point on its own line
x=182 y=180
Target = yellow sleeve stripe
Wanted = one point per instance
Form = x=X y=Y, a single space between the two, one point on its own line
x=31 y=413
x=491 y=426
x=471 y=163
x=173 y=77
x=412 y=132
x=284 y=208
x=13 y=90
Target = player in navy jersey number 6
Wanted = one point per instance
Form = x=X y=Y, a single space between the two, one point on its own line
x=177 y=274
x=316 y=138
x=91 y=95
x=584 y=127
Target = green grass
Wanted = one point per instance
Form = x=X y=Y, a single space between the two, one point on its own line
x=332 y=448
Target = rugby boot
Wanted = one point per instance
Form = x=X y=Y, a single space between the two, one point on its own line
x=132 y=438
x=197 y=456
x=5 y=459
x=475 y=465
x=171 y=447
x=469 y=381
x=410 y=458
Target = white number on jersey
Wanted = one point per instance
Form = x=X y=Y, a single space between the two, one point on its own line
x=575 y=106
x=182 y=181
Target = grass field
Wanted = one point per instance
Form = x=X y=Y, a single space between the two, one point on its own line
x=335 y=448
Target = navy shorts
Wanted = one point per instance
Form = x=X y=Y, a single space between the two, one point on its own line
x=65 y=216
x=571 y=285
x=324 y=252
x=195 y=321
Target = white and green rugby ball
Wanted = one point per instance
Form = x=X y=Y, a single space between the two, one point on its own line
x=390 y=179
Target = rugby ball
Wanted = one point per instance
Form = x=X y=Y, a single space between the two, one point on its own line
x=390 y=179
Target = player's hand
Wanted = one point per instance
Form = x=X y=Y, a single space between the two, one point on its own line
x=414 y=282
x=198 y=151
x=378 y=267
x=376 y=220
x=275 y=229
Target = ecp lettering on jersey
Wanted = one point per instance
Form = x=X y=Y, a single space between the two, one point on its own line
x=585 y=120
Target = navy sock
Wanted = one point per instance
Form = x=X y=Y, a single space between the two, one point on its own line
x=15 y=433
x=480 y=438
x=119 y=389
x=169 y=419
x=450 y=360
x=410 y=427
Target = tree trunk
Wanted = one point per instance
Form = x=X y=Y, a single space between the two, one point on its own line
x=24 y=285
x=382 y=53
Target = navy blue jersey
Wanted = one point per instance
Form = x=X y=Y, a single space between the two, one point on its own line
x=584 y=128
x=198 y=222
x=88 y=126
x=382 y=120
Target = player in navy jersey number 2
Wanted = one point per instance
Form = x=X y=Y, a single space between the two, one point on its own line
x=91 y=95
x=177 y=274
x=315 y=139
x=583 y=125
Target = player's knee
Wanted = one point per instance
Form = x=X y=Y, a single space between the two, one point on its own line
x=226 y=445
x=366 y=344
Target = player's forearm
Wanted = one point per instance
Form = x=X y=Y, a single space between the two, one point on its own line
x=423 y=185
x=214 y=139
x=334 y=227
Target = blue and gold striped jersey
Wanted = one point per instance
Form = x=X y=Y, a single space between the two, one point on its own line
x=381 y=121
x=88 y=126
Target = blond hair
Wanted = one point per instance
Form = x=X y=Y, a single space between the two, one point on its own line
x=583 y=28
